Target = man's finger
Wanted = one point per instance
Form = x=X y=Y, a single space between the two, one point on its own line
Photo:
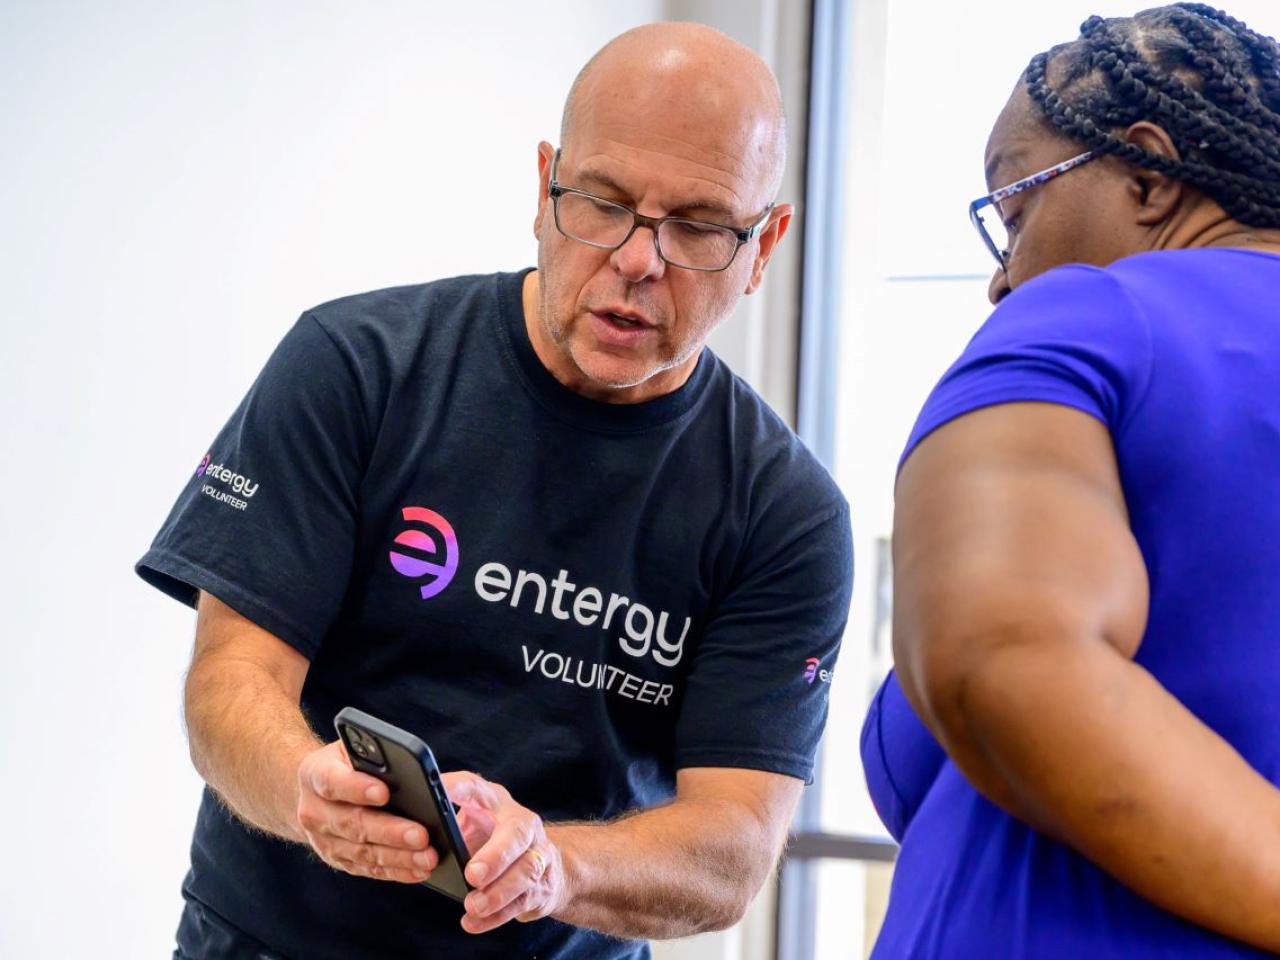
x=365 y=826
x=372 y=854
x=462 y=786
x=375 y=872
x=519 y=880
x=522 y=904
x=340 y=784
x=476 y=825
x=511 y=838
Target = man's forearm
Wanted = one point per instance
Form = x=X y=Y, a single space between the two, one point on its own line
x=247 y=740
x=691 y=866
x=1087 y=746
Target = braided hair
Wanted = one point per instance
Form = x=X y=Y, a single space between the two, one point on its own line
x=1208 y=80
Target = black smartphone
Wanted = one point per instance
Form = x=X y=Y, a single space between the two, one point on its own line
x=405 y=764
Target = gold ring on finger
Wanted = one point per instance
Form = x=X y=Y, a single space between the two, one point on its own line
x=541 y=861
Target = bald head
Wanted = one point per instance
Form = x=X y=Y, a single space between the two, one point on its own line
x=687 y=83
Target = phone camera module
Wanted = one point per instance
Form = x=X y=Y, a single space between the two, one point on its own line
x=364 y=746
x=374 y=752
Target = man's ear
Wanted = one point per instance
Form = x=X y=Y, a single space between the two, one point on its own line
x=1156 y=195
x=770 y=234
x=545 y=154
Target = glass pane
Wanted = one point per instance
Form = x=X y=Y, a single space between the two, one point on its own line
x=991 y=225
x=852 y=897
x=696 y=244
x=592 y=220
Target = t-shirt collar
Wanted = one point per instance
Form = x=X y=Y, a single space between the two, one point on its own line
x=572 y=406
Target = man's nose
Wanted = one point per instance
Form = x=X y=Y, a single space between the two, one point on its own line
x=638 y=258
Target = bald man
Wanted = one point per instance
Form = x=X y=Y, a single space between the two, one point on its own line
x=532 y=519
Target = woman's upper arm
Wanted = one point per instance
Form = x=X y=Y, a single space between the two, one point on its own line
x=1010 y=528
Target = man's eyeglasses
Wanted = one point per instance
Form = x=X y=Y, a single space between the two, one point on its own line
x=986 y=214
x=680 y=241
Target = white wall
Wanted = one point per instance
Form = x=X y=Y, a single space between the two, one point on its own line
x=178 y=182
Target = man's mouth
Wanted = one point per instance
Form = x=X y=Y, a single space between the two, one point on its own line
x=623 y=319
x=626 y=323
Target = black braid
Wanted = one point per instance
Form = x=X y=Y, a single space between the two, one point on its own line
x=1199 y=124
x=1263 y=51
x=1204 y=77
x=1227 y=72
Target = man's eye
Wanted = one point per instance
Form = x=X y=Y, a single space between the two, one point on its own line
x=692 y=228
x=1011 y=225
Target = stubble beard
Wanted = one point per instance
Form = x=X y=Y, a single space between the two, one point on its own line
x=558 y=329
x=561 y=333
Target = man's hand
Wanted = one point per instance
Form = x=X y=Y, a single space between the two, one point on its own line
x=682 y=867
x=517 y=872
x=337 y=814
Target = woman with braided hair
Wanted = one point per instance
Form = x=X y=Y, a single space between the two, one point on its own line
x=1087 y=535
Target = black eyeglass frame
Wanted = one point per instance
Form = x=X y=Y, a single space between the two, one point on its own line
x=742 y=235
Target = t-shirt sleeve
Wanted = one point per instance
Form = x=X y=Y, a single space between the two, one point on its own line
x=756 y=695
x=267 y=523
x=1072 y=336
x=900 y=757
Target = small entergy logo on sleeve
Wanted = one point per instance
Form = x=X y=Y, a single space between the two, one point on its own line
x=241 y=488
x=812 y=671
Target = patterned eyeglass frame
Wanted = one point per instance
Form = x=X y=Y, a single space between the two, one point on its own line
x=742 y=234
x=1004 y=193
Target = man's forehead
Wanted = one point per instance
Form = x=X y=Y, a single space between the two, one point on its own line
x=706 y=113
x=730 y=154
x=669 y=172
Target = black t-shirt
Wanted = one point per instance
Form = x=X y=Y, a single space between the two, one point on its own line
x=571 y=598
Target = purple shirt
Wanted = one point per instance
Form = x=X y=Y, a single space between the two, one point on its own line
x=1178 y=354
